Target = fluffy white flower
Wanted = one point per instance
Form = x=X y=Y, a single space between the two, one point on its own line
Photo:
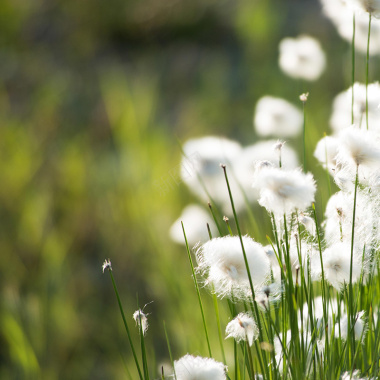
x=278 y=117
x=141 y=319
x=201 y=171
x=355 y=375
x=337 y=263
x=339 y=213
x=317 y=346
x=197 y=368
x=268 y=294
x=326 y=151
x=221 y=261
x=318 y=316
x=243 y=166
x=341 y=114
x=358 y=147
x=341 y=15
x=242 y=327
x=360 y=327
x=302 y=57
x=195 y=220
x=308 y=223
x=284 y=191
x=369 y=6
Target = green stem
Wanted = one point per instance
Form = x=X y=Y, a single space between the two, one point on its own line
x=125 y=324
x=304 y=137
x=351 y=295
x=367 y=69
x=353 y=67
x=169 y=349
x=246 y=263
x=198 y=292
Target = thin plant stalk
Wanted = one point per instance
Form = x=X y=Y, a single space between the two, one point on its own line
x=304 y=136
x=351 y=296
x=246 y=264
x=216 y=308
x=215 y=219
x=169 y=349
x=198 y=292
x=143 y=350
x=327 y=169
x=367 y=69
x=353 y=66
x=125 y=324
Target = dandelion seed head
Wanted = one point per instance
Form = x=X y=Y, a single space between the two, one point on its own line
x=198 y=368
x=302 y=57
x=242 y=328
x=278 y=117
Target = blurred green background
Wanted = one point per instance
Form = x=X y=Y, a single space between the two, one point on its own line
x=94 y=96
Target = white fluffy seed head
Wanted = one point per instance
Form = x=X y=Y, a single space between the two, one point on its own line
x=221 y=262
x=337 y=263
x=308 y=223
x=198 y=368
x=200 y=168
x=302 y=57
x=195 y=220
x=341 y=114
x=367 y=6
x=358 y=147
x=341 y=14
x=278 y=117
x=360 y=327
x=269 y=294
x=261 y=154
x=326 y=151
x=284 y=191
x=354 y=375
x=242 y=328
x=339 y=213
x=141 y=319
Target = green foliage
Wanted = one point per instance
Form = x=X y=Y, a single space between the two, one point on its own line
x=94 y=97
